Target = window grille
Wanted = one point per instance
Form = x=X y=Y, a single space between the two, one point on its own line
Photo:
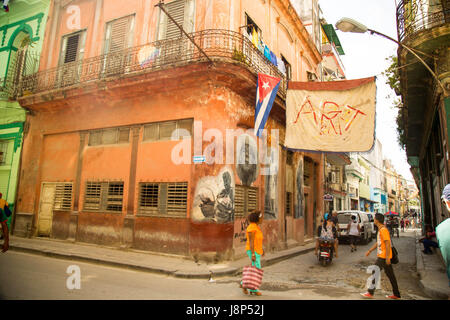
x=115 y=196
x=63 y=197
x=163 y=198
x=148 y=197
x=104 y=196
x=288 y=203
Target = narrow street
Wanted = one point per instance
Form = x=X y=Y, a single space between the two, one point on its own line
x=27 y=276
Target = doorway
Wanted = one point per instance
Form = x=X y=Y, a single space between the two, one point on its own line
x=45 y=214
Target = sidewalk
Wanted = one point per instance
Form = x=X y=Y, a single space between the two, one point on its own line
x=431 y=269
x=171 y=265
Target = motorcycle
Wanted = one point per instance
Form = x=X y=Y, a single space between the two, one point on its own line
x=326 y=249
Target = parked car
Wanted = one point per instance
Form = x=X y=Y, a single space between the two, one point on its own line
x=344 y=218
x=371 y=217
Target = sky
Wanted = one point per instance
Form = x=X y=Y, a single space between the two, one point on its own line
x=365 y=56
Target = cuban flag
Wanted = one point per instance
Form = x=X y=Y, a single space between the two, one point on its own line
x=266 y=91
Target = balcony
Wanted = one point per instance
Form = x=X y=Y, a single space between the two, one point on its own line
x=219 y=45
x=414 y=16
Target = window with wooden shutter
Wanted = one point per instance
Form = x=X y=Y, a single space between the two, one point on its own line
x=115 y=196
x=163 y=198
x=239 y=200
x=71 y=53
x=72 y=50
x=245 y=200
x=92 y=199
x=118 y=34
x=148 y=198
x=252 y=199
x=177 y=197
x=167 y=29
x=118 y=37
x=104 y=196
x=63 y=196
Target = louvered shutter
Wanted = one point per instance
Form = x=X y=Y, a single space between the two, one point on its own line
x=117 y=38
x=176 y=11
x=118 y=33
x=71 y=50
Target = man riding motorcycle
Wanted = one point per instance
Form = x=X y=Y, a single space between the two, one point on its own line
x=327 y=231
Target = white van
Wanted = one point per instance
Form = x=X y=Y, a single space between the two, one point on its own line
x=371 y=217
x=344 y=218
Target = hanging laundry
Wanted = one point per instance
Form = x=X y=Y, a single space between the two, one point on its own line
x=273 y=58
x=281 y=65
x=261 y=46
x=255 y=39
x=267 y=52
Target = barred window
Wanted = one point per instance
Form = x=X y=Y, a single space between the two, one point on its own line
x=165 y=198
x=160 y=131
x=177 y=197
x=288 y=203
x=245 y=200
x=109 y=136
x=148 y=198
x=63 y=196
x=104 y=196
x=115 y=196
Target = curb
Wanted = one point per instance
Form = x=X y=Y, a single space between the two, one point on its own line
x=227 y=271
x=436 y=294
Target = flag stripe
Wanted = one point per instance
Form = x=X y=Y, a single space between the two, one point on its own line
x=263 y=110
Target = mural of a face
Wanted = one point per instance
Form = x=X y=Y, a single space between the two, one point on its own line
x=247 y=156
x=214 y=198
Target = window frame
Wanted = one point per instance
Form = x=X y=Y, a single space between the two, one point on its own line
x=166 y=201
x=246 y=204
x=145 y=138
x=104 y=196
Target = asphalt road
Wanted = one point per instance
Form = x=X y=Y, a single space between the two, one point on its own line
x=28 y=277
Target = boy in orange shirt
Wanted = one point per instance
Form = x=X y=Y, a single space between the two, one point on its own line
x=384 y=255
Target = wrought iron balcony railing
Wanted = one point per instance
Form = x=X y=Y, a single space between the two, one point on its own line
x=417 y=15
x=219 y=45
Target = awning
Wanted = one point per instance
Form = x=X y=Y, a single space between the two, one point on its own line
x=338 y=159
x=332 y=36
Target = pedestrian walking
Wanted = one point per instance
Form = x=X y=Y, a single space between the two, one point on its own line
x=3 y=221
x=353 y=231
x=254 y=245
x=384 y=255
x=402 y=224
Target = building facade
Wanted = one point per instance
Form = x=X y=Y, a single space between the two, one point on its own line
x=424 y=26
x=22 y=31
x=122 y=103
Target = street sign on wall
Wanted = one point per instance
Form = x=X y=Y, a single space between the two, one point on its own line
x=328 y=197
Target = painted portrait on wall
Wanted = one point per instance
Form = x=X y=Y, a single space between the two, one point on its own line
x=214 y=198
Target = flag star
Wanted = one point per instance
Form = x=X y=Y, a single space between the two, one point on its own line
x=265 y=85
